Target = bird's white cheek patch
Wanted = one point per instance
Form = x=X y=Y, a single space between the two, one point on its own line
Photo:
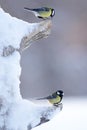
x=53 y=13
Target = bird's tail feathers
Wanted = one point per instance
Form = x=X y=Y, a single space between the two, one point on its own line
x=32 y=10
x=27 y=9
x=42 y=98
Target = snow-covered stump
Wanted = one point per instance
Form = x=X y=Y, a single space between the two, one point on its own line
x=17 y=113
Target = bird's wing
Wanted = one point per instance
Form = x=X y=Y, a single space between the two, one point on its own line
x=32 y=10
x=41 y=9
x=49 y=97
x=28 y=8
x=42 y=102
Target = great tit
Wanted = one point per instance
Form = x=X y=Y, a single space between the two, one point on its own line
x=55 y=98
x=44 y=12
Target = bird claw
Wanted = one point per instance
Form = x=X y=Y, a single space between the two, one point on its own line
x=58 y=105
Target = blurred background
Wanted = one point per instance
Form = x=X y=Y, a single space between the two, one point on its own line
x=60 y=61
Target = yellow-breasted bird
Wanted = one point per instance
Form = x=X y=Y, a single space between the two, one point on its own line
x=55 y=98
x=43 y=12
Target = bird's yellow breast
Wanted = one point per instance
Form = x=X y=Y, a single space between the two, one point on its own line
x=45 y=14
x=55 y=100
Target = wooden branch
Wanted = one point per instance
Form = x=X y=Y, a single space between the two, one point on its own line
x=42 y=30
x=44 y=118
x=51 y=110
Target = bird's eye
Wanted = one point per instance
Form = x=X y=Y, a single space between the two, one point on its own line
x=58 y=93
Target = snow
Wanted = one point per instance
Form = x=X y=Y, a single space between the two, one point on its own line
x=9 y=82
x=17 y=113
x=72 y=117
x=26 y=113
x=13 y=32
x=9 y=67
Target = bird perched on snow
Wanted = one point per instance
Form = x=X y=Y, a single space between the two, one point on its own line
x=55 y=98
x=43 y=13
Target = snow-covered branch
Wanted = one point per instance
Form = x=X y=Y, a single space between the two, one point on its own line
x=18 y=34
x=17 y=113
x=41 y=31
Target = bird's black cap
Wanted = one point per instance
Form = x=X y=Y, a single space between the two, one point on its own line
x=60 y=92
